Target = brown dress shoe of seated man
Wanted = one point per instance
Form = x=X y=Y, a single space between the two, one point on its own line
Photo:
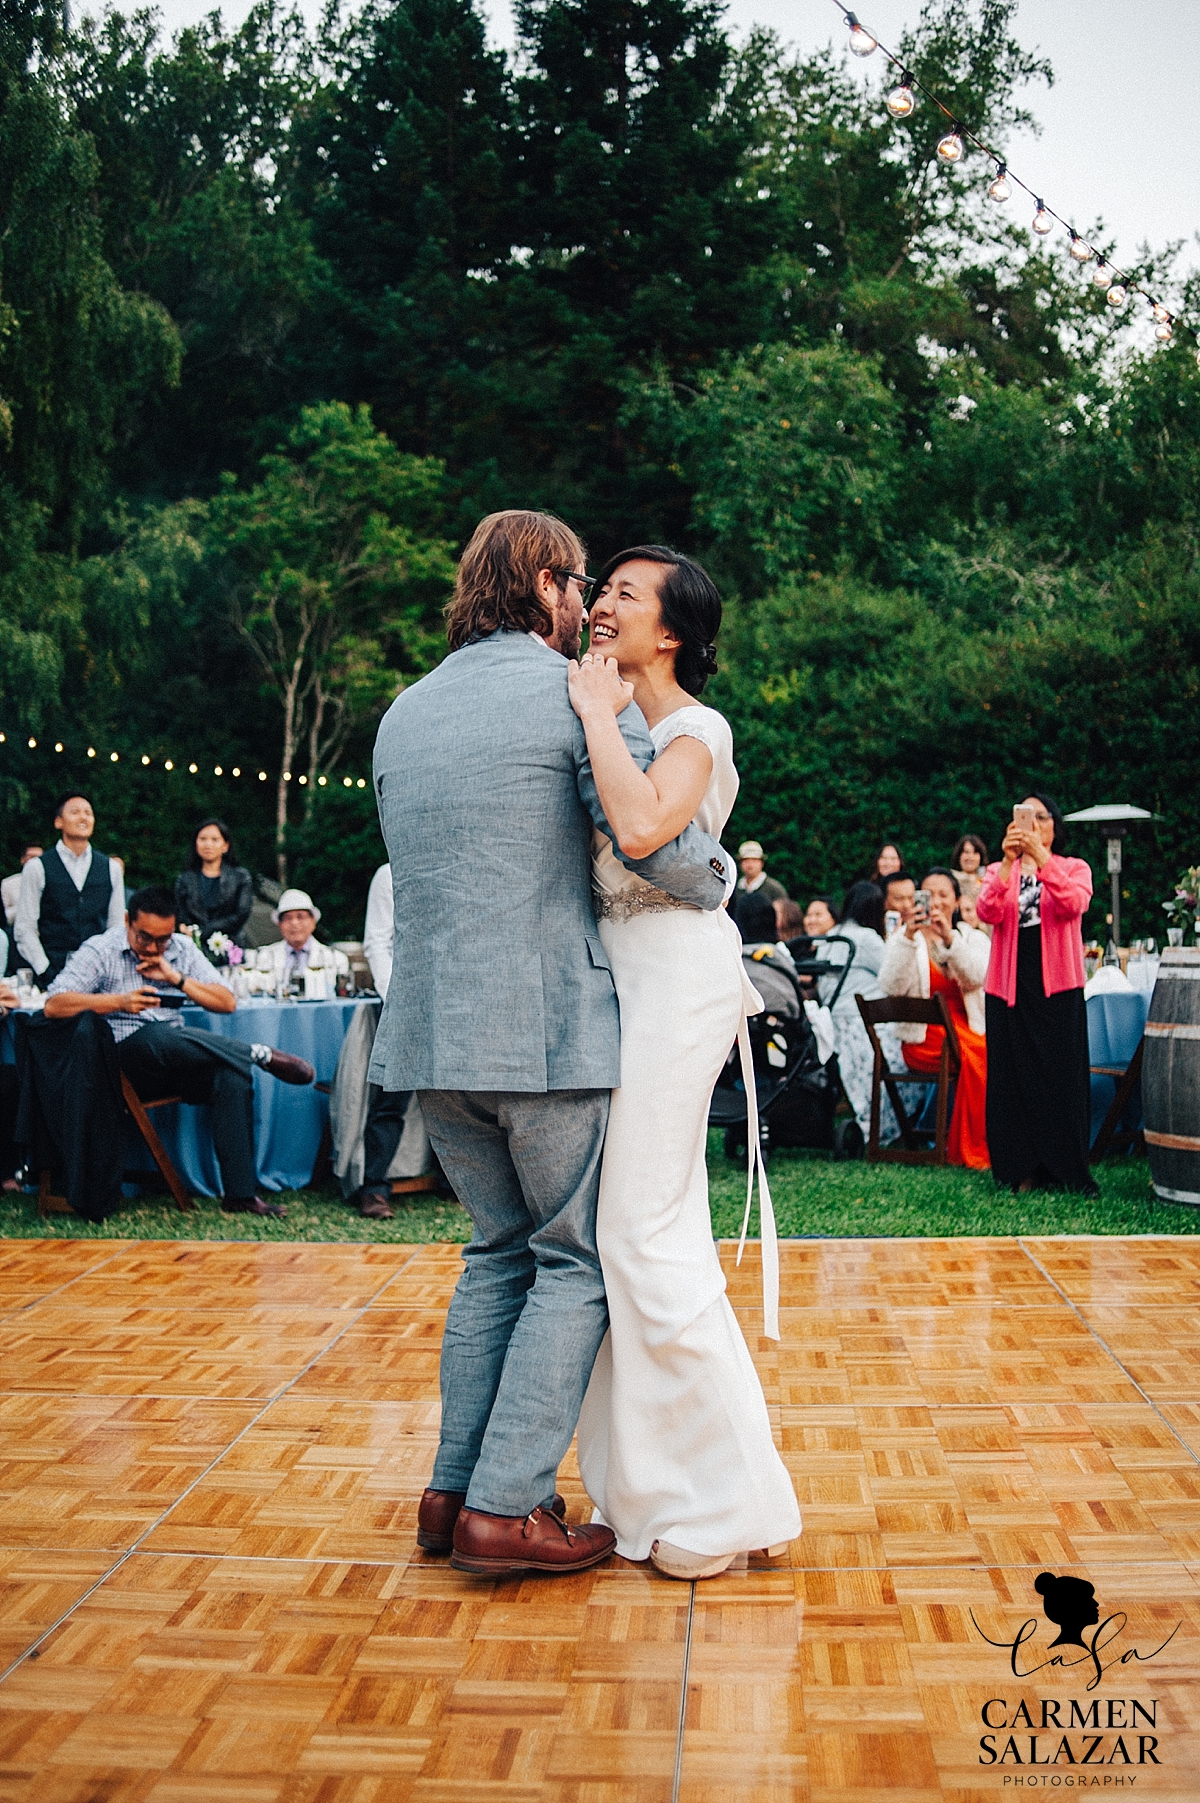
x=497 y=1545
x=440 y=1510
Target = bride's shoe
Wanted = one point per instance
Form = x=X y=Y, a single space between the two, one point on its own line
x=678 y=1562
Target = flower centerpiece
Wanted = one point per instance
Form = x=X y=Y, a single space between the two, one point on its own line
x=223 y=950
x=1183 y=909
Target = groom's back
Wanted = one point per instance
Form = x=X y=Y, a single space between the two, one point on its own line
x=499 y=981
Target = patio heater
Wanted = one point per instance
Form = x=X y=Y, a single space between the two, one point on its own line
x=1117 y=817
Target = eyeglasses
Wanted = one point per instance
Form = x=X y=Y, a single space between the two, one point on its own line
x=585 y=582
x=142 y=938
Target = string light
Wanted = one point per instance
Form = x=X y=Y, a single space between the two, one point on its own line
x=322 y=780
x=217 y=770
x=1117 y=295
x=901 y=102
x=114 y=757
x=32 y=744
x=236 y=771
x=861 y=41
x=58 y=747
x=168 y=765
x=145 y=759
x=192 y=769
x=262 y=776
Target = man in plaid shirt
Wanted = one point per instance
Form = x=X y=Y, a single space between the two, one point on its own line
x=138 y=976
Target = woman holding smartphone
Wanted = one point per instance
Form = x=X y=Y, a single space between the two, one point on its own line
x=1039 y=1085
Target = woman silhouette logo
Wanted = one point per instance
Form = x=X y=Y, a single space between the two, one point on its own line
x=1070 y=1603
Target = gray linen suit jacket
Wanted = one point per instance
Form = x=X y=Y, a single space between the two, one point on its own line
x=487 y=800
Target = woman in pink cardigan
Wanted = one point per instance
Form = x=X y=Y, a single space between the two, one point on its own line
x=1039 y=1085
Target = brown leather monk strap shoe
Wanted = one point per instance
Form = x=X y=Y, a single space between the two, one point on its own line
x=496 y=1545
x=439 y=1511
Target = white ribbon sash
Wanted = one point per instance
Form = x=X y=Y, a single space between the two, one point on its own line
x=766 y=1212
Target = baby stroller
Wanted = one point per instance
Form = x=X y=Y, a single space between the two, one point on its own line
x=797 y=1094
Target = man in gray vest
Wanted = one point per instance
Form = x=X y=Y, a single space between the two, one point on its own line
x=68 y=894
x=502 y=1013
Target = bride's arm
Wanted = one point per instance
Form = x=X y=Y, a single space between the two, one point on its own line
x=646 y=809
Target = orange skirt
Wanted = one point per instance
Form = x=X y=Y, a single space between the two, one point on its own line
x=967 y=1139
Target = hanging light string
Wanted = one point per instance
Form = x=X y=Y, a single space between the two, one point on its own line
x=1117 y=283
x=188 y=766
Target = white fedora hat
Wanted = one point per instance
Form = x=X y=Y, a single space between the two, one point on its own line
x=294 y=898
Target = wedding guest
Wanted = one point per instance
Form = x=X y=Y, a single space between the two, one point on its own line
x=214 y=892
x=386 y=1108
x=10 y=888
x=939 y=954
x=820 y=916
x=899 y=894
x=1039 y=1083
x=885 y=863
x=123 y=974
x=969 y=862
x=754 y=879
x=296 y=915
x=67 y=894
x=862 y=924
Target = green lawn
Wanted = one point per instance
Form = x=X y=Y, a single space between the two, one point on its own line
x=812 y=1196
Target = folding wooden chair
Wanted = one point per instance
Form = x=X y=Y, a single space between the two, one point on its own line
x=1112 y=1137
x=140 y=1112
x=933 y=1013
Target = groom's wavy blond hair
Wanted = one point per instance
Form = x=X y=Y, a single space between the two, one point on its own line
x=496 y=586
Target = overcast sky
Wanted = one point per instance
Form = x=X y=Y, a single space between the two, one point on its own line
x=1121 y=129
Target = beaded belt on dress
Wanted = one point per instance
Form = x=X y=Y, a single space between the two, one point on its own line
x=629 y=902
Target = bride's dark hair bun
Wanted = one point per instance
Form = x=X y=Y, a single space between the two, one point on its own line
x=691 y=609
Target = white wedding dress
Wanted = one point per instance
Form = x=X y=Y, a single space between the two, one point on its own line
x=674 y=1438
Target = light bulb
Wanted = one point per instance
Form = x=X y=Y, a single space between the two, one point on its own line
x=1163 y=332
x=145 y=759
x=33 y=744
x=1081 y=252
x=950 y=148
x=999 y=190
x=901 y=101
x=1160 y=313
x=1042 y=222
x=1116 y=295
x=218 y=770
x=1102 y=275
x=861 y=41
x=169 y=765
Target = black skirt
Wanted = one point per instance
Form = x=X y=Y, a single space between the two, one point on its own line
x=1038 y=1085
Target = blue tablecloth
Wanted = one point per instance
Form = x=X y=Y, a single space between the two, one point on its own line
x=288 y=1119
x=1116 y=1023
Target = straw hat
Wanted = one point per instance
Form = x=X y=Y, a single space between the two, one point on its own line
x=751 y=848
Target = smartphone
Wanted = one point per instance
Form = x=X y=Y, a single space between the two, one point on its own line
x=1024 y=818
x=891 y=923
x=169 y=998
x=921 y=907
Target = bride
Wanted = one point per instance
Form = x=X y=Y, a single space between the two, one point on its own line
x=675 y=1444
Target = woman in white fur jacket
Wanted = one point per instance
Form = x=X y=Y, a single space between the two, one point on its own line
x=942 y=955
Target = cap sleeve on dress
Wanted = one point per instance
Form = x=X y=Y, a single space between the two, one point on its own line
x=703 y=723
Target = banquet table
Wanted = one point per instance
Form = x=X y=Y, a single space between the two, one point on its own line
x=1116 y=1021
x=289 y=1119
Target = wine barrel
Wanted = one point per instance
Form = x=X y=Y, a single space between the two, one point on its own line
x=1171 y=1078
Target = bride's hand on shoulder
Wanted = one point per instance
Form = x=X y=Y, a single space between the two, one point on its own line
x=594 y=685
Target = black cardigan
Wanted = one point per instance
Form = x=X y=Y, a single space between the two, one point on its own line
x=233 y=907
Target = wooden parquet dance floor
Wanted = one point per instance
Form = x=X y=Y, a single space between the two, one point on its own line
x=210 y=1592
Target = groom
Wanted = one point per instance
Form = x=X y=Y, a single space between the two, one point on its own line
x=502 y=1014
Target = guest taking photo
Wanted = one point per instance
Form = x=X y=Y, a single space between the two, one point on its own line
x=937 y=953
x=1039 y=1084
x=214 y=892
x=969 y=863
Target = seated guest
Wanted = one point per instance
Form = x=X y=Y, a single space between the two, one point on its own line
x=862 y=924
x=886 y=862
x=386 y=1108
x=820 y=916
x=899 y=893
x=214 y=893
x=296 y=916
x=123 y=975
x=789 y=928
x=68 y=894
x=938 y=954
x=969 y=863
x=10 y=888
